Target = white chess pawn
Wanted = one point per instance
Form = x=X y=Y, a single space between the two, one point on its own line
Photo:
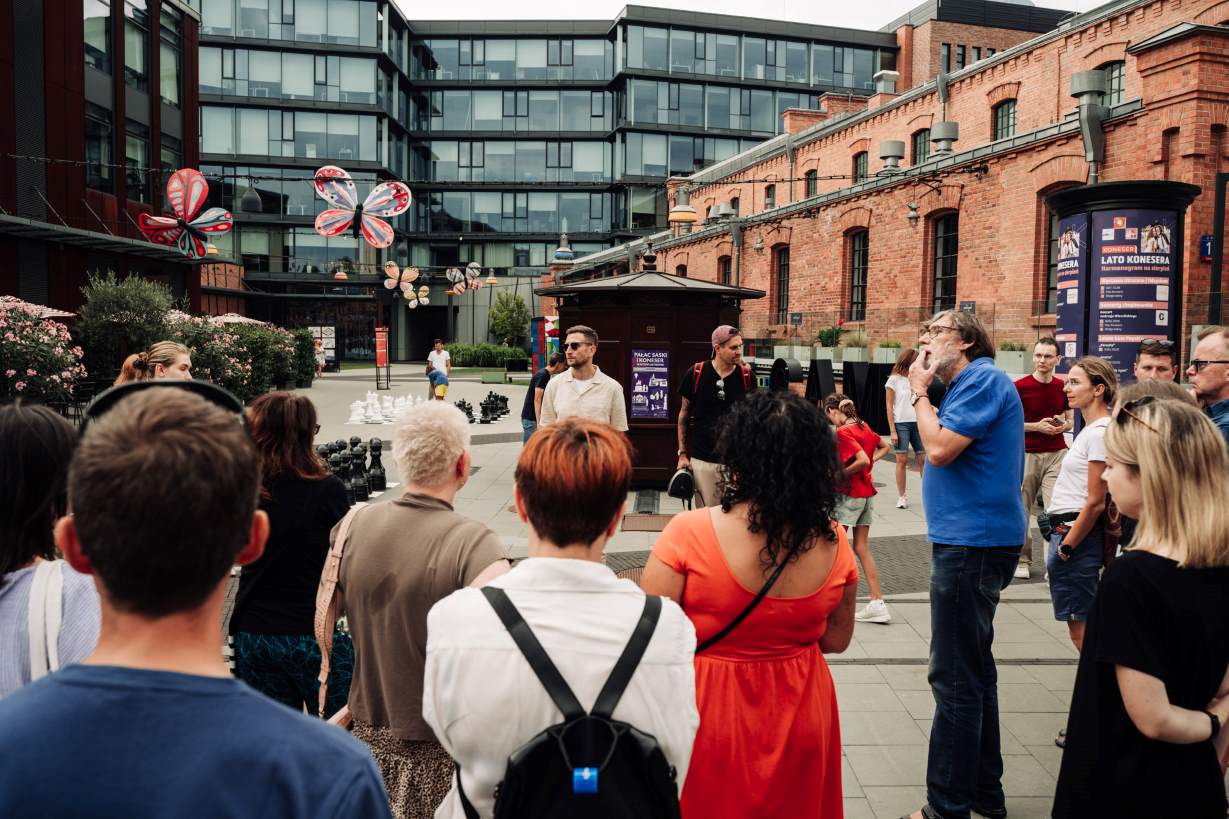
x=356 y=413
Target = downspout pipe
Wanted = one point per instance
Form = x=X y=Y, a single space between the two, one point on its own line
x=1088 y=88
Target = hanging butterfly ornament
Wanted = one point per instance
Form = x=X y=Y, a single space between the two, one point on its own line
x=386 y=199
x=473 y=275
x=457 y=277
x=415 y=298
x=395 y=278
x=189 y=231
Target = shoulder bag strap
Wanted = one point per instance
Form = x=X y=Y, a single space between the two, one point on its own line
x=528 y=643
x=616 y=684
x=696 y=370
x=328 y=602
x=746 y=377
x=742 y=615
x=44 y=612
x=466 y=806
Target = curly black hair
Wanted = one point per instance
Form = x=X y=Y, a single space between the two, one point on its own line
x=779 y=457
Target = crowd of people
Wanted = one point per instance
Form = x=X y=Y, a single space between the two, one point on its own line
x=475 y=688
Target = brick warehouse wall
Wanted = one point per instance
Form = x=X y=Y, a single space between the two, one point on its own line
x=1180 y=134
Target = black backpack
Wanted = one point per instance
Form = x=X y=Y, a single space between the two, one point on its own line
x=588 y=766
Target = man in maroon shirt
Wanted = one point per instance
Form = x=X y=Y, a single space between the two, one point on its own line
x=1046 y=418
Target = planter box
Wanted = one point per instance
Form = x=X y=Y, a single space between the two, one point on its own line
x=854 y=354
x=886 y=355
x=780 y=351
x=821 y=353
x=1011 y=361
x=800 y=353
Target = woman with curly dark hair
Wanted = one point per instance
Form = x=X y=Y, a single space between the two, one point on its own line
x=769 y=583
x=273 y=623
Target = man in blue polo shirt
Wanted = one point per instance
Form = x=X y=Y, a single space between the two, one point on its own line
x=971 y=491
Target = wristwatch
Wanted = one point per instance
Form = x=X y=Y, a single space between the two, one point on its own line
x=917 y=396
x=682 y=452
x=1066 y=549
x=1215 y=724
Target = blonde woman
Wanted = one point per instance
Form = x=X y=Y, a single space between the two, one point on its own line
x=1144 y=737
x=166 y=359
x=1078 y=499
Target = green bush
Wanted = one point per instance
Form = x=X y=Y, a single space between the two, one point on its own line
x=830 y=337
x=304 y=356
x=890 y=344
x=120 y=317
x=482 y=355
x=509 y=318
x=216 y=353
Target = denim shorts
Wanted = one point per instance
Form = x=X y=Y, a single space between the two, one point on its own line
x=906 y=434
x=854 y=511
x=1073 y=582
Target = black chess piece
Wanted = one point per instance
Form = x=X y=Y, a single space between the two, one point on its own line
x=358 y=476
x=323 y=452
x=358 y=455
x=346 y=475
x=375 y=472
x=336 y=467
x=355 y=441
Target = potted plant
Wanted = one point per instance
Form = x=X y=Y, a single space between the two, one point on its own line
x=887 y=351
x=827 y=340
x=1010 y=357
x=854 y=345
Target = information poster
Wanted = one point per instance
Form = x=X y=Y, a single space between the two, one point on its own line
x=381 y=346
x=650 y=383
x=1131 y=283
x=1072 y=295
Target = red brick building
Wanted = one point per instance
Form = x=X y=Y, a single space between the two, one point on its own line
x=828 y=234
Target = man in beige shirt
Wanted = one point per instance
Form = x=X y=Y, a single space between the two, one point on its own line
x=584 y=390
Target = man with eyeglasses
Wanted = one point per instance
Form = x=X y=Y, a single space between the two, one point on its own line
x=709 y=390
x=583 y=390
x=1156 y=360
x=971 y=490
x=1209 y=376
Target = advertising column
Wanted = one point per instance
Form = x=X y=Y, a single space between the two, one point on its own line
x=1072 y=292
x=1132 y=282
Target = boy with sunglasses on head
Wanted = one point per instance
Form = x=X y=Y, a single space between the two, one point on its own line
x=1156 y=358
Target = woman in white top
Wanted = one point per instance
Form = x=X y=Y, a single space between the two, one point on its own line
x=38 y=445
x=902 y=422
x=480 y=695
x=1075 y=553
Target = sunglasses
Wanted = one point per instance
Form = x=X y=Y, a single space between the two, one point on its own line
x=720 y=383
x=1127 y=410
x=1197 y=364
x=1157 y=342
x=576 y=345
x=219 y=397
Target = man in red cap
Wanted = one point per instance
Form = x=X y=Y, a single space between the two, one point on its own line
x=708 y=390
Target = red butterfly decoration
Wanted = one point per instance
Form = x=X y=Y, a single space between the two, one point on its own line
x=187 y=191
x=386 y=199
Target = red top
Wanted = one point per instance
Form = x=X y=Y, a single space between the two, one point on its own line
x=850 y=439
x=1042 y=401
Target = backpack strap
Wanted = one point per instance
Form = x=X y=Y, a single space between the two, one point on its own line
x=466 y=806
x=538 y=659
x=695 y=377
x=615 y=685
x=43 y=616
x=328 y=602
x=746 y=377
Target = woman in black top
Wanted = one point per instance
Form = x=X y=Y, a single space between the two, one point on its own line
x=1152 y=689
x=274 y=615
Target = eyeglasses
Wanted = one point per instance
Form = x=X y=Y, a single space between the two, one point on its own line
x=935 y=329
x=317 y=432
x=576 y=345
x=1197 y=364
x=720 y=389
x=107 y=399
x=1128 y=408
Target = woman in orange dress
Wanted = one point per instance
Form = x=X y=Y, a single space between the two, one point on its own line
x=769 y=743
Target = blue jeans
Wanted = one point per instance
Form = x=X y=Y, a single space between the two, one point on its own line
x=965 y=765
x=529 y=427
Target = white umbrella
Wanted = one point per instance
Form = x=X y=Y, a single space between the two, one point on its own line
x=11 y=302
x=233 y=318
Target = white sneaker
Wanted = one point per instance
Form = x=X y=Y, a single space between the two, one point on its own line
x=876 y=611
x=902 y=502
x=1022 y=571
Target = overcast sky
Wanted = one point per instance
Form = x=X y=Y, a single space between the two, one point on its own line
x=865 y=15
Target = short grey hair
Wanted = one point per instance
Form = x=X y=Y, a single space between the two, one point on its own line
x=971 y=330
x=428 y=441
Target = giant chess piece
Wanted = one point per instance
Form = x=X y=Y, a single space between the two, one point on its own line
x=358 y=474
x=375 y=472
x=324 y=453
x=356 y=413
x=346 y=473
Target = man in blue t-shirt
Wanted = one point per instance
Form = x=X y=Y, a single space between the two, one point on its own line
x=163 y=489
x=532 y=408
x=971 y=491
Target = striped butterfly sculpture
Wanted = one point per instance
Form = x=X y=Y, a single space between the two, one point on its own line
x=385 y=200
x=190 y=229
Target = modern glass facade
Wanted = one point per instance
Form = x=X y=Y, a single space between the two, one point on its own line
x=506 y=139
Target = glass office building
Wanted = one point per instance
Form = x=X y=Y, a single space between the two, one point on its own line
x=509 y=133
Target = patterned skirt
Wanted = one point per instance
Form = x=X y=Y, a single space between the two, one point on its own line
x=417 y=774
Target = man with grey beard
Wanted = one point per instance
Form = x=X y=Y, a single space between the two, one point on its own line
x=971 y=490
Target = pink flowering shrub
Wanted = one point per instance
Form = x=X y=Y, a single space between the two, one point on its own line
x=38 y=359
x=217 y=355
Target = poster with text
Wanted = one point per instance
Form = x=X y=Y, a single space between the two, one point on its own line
x=1072 y=253
x=1131 y=283
x=650 y=383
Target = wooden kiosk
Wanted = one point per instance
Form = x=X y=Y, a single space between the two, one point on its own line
x=652 y=327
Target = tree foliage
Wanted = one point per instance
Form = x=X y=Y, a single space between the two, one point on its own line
x=509 y=319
